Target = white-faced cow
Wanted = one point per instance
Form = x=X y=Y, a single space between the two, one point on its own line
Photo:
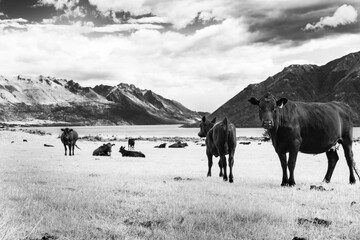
x=309 y=128
x=220 y=141
x=69 y=138
x=104 y=150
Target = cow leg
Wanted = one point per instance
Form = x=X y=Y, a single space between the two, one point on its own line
x=283 y=162
x=220 y=166
x=65 y=149
x=231 y=163
x=347 y=145
x=291 y=165
x=73 y=148
x=332 y=157
x=210 y=163
x=223 y=164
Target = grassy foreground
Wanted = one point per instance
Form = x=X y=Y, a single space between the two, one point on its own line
x=45 y=195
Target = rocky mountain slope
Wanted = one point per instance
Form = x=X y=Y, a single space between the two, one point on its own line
x=46 y=99
x=337 y=80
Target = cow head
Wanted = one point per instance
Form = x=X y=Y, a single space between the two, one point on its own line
x=122 y=149
x=205 y=126
x=268 y=109
x=66 y=133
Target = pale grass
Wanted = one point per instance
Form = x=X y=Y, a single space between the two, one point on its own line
x=86 y=197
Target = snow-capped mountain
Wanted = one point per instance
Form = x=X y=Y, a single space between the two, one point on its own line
x=55 y=100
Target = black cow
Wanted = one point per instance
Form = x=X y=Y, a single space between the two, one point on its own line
x=126 y=153
x=131 y=143
x=69 y=138
x=309 y=128
x=104 y=150
x=220 y=141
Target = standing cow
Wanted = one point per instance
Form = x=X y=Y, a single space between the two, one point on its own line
x=220 y=141
x=309 y=128
x=69 y=138
x=131 y=144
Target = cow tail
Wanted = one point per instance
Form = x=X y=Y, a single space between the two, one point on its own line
x=226 y=125
x=77 y=147
x=356 y=170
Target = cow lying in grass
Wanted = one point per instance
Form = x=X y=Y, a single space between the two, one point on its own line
x=104 y=150
x=126 y=153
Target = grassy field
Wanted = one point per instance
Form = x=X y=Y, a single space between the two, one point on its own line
x=45 y=195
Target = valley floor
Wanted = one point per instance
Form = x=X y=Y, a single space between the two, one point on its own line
x=46 y=195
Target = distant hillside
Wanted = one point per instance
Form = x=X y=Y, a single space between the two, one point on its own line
x=25 y=99
x=337 y=80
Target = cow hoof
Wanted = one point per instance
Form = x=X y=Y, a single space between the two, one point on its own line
x=352 y=181
x=326 y=181
x=231 y=180
x=208 y=175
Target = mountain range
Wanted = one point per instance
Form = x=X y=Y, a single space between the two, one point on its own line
x=337 y=80
x=51 y=100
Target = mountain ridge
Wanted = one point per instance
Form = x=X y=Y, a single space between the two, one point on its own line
x=60 y=100
x=337 y=80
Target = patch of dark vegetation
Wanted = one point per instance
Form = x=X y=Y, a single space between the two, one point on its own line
x=35 y=131
x=45 y=237
x=94 y=175
x=182 y=179
x=319 y=188
x=41 y=182
x=128 y=192
x=315 y=221
x=146 y=224
x=299 y=238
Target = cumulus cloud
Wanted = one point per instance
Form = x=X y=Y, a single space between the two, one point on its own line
x=148 y=20
x=346 y=14
x=136 y=7
x=217 y=59
x=58 y=4
x=18 y=23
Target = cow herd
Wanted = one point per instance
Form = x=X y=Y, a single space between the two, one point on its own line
x=293 y=127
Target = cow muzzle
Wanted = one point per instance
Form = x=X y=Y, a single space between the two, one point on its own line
x=267 y=124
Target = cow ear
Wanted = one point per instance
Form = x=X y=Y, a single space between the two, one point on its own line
x=70 y=129
x=62 y=129
x=203 y=119
x=254 y=101
x=281 y=102
x=214 y=120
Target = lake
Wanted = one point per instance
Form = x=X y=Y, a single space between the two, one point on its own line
x=143 y=131
x=151 y=131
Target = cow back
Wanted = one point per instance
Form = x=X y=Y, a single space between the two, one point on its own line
x=221 y=138
x=317 y=125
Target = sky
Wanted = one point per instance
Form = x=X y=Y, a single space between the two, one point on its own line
x=200 y=53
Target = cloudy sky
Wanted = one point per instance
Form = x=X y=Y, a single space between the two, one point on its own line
x=198 y=52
